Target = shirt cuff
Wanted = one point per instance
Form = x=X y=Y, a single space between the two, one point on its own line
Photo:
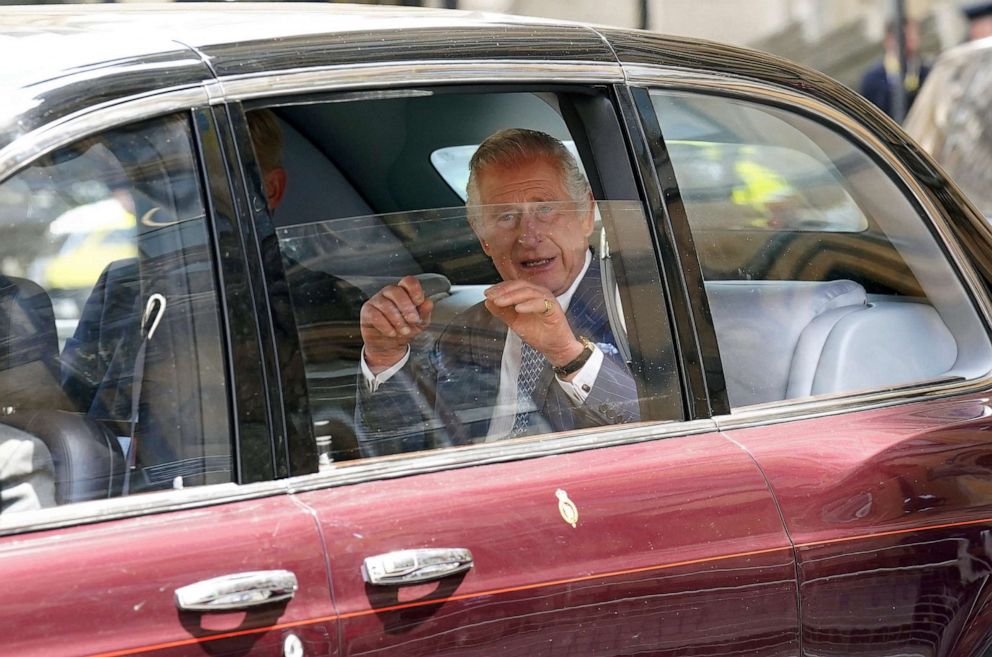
x=373 y=381
x=580 y=386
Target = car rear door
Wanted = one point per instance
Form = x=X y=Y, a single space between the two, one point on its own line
x=675 y=545
x=656 y=537
x=890 y=514
x=854 y=351
x=151 y=522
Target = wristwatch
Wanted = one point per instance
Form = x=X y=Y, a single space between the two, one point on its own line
x=576 y=363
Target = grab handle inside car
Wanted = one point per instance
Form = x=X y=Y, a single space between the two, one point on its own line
x=415 y=566
x=237 y=591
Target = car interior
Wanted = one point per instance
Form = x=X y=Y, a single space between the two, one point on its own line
x=123 y=402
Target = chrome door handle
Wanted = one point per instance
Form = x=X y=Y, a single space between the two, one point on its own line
x=237 y=591
x=415 y=566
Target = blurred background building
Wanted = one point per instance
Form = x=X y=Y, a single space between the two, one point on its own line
x=839 y=37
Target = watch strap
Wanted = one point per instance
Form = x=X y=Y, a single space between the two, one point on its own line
x=576 y=363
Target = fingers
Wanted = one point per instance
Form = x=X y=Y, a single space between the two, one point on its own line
x=424 y=310
x=397 y=311
x=507 y=315
x=405 y=296
x=523 y=297
x=533 y=313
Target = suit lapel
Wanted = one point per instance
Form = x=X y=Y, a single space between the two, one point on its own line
x=487 y=342
x=586 y=313
x=481 y=354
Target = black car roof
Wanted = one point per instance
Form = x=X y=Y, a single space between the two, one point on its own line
x=60 y=59
x=48 y=40
x=66 y=58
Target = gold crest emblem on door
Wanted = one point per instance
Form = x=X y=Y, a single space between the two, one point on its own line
x=566 y=507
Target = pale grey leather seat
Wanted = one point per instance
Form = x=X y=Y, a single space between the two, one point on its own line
x=885 y=344
x=760 y=325
x=793 y=339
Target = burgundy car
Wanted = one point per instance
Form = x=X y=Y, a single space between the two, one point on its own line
x=799 y=293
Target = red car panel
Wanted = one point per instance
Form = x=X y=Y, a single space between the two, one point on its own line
x=678 y=546
x=891 y=512
x=108 y=589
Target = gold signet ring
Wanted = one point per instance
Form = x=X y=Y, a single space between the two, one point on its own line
x=548 y=307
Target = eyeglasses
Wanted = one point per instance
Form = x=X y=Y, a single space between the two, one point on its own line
x=507 y=218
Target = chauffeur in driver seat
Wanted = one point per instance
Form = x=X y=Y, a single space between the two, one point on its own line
x=537 y=355
x=98 y=360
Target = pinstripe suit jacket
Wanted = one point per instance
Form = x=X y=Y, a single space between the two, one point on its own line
x=445 y=396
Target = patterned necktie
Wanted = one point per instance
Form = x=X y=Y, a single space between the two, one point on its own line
x=531 y=364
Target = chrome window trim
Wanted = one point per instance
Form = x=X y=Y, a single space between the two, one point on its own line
x=827 y=405
x=419 y=73
x=580 y=440
x=96 y=119
x=351 y=472
x=665 y=78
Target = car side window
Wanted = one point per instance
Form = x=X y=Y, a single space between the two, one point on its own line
x=822 y=277
x=111 y=371
x=433 y=308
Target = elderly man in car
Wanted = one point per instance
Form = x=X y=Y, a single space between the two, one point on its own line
x=537 y=355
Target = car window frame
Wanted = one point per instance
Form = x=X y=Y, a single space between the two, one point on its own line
x=236 y=312
x=644 y=78
x=239 y=294
x=696 y=348
x=261 y=90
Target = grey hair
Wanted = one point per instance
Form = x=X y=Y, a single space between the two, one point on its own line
x=517 y=146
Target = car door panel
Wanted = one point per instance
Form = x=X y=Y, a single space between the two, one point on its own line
x=109 y=588
x=891 y=512
x=677 y=544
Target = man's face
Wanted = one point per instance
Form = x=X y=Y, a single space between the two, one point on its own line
x=912 y=39
x=912 y=36
x=530 y=226
x=980 y=27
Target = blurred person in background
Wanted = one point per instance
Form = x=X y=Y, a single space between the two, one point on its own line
x=979 y=15
x=881 y=82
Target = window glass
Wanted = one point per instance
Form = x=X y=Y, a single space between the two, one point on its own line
x=111 y=378
x=405 y=347
x=450 y=390
x=734 y=186
x=452 y=163
x=822 y=278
